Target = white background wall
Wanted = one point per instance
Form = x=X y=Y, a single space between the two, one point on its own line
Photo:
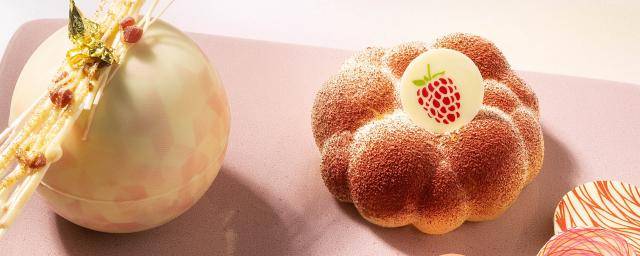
x=591 y=38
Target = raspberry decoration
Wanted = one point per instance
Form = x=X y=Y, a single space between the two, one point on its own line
x=130 y=32
x=439 y=96
x=127 y=22
x=61 y=98
x=445 y=100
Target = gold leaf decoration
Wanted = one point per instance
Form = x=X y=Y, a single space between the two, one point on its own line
x=86 y=37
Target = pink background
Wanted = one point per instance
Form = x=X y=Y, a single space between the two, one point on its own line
x=269 y=198
x=560 y=37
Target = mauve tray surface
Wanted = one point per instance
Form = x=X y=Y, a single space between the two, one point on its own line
x=269 y=198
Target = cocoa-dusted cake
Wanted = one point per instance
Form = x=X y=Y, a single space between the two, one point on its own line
x=397 y=173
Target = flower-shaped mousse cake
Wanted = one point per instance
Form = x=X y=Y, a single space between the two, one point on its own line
x=376 y=155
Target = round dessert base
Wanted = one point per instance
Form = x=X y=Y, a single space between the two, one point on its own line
x=129 y=216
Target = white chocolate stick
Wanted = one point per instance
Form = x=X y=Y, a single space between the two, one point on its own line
x=51 y=125
x=8 y=132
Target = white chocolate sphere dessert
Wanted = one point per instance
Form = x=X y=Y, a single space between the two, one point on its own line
x=157 y=140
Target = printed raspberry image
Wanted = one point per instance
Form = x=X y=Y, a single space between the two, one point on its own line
x=439 y=96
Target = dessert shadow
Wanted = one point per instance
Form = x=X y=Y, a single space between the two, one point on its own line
x=230 y=219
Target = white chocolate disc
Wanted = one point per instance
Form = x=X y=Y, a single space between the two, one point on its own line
x=441 y=90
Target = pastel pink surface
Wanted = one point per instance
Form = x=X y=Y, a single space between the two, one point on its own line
x=269 y=198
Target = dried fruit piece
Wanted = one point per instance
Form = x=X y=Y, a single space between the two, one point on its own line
x=126 y=22
x=38 y=162
x=34 y=162
x=132 y=34
x=61 y=99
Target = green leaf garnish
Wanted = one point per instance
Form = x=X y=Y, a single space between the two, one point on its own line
x=429 y=77
x=419 y=82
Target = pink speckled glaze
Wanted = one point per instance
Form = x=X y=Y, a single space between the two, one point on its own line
x=157 y=141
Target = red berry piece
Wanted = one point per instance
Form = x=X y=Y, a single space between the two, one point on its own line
x=38 y=161
x=127 y=22
x=61 y=99
x=132 y=34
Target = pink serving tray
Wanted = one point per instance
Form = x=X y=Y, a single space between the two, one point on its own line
x=269 y=198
